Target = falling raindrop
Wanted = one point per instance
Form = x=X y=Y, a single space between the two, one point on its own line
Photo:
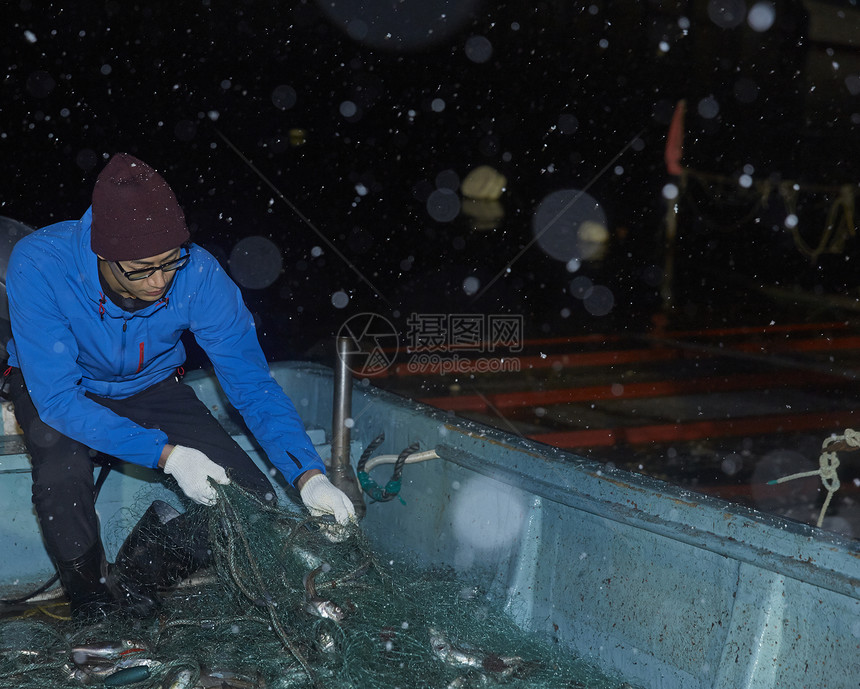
x=443 y=205
x=471 y=285
x=732 y=464
x=581 y=286
x=486 y=514
x=399 y=26
x=709 y=108
x=255 y=262
x=599 y=301
x=727 y=14
x=284 y=97
x=357 y=29
x=761 y=16
x=478 y=49
x=340 y=299
x=570 y=224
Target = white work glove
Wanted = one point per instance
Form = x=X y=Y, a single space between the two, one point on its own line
x=322 y=497
x=192 y=471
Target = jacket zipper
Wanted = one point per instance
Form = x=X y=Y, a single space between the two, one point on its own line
x=164 y=301
x=122 y=341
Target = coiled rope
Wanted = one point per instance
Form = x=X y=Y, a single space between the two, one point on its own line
x=828 y=464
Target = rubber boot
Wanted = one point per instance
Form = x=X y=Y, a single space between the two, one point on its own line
x=159 y=551
x=86 y=582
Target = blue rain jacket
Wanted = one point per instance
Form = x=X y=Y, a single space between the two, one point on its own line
x=68 y=339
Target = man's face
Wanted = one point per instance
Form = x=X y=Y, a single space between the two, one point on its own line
x=151 y=288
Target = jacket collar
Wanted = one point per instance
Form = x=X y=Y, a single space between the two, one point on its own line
x=87 y=263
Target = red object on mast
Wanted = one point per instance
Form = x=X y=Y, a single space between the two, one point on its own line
x=675 y=139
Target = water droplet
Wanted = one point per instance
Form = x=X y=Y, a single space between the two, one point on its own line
x=255 y=262
x=570 y=224
x=478 y=49
x=443 y=205
x=599 y=301
x=340 y=299
x=761 y=16
x=283 y=97
x=709 y=108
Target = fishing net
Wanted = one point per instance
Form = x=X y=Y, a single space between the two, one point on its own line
x=290 y=603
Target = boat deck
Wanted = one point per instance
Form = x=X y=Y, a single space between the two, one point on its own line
x=664 y=587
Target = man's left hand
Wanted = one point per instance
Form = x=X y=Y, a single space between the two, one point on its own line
x=322 y=497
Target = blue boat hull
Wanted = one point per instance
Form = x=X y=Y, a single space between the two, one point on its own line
x=667 y=588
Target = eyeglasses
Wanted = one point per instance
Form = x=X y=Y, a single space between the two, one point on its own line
x=143 y=273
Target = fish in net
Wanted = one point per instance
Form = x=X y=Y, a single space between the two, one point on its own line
x=286 y=605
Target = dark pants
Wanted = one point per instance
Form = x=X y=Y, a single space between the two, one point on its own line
x=63 y=487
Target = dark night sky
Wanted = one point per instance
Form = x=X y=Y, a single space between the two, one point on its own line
x=549 y=93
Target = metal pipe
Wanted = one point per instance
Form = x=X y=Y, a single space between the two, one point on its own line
x=341 y=472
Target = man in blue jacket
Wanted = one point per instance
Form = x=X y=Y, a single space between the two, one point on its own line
x=97 y=308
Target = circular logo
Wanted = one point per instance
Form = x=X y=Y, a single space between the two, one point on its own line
x=372 y=346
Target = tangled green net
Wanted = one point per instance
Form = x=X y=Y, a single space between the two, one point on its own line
x=286 y=605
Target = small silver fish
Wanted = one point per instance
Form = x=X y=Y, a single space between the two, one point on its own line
x=137 y=662
x=445 y=651
x=182 y=679
x=325 y=642
x=317 y=605
x=97 y=670
x=448 y=653
x=503 y=666
x=73 y=672
x=219 y=678
x=308 y=558
x=107 y=650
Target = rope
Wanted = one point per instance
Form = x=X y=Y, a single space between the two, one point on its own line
x=392 y=488
x=236 y=543
x=839 y=225
x=828 y=464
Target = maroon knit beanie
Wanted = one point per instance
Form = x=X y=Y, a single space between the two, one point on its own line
x=135 y=213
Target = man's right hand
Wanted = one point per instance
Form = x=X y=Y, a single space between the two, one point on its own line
x=192 y=470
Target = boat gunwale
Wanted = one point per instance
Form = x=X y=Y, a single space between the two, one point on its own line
x=744 y=534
